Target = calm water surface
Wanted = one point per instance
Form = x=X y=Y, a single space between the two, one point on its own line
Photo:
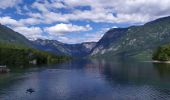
x=90 y=80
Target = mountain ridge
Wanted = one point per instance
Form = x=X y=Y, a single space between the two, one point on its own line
x=130 y=41
x=10 y=36
x=137 y=39
x=54 y=46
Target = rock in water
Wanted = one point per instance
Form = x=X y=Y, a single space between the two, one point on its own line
x=30 y=90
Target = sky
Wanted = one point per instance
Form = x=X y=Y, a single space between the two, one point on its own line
x=76 y=21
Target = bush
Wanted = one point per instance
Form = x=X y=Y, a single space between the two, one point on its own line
x=162 y=53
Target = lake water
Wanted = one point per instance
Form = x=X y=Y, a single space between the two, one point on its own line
x=89 y=80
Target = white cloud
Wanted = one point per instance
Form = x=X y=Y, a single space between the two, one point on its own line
x=41 y=7
x=30 y=21
x=9 y=3
x=60 y=29
x=9 y=21
x=45 y=6
x=90 y=37
x=128 y=12
x=22 y=22
x=30 y=32
x=112 y=11
x=94 y=37
x=34 y=15
x=18 y=10
x=21 y=27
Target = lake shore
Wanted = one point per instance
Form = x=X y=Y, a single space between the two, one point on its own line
x=156 y=61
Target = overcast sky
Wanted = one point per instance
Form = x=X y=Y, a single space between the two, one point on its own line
x=76 y=21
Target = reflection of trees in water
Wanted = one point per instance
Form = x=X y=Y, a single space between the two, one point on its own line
x=124 y=72
x=163 y=69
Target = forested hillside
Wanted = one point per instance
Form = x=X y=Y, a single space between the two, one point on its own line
x=13 y=54
x=134 y=41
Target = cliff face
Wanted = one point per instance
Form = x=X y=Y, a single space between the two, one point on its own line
x=75 y=50
x=135 y=40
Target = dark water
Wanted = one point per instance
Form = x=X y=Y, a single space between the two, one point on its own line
x=90 y=80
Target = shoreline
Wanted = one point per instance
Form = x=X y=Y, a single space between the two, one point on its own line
x=156 y=61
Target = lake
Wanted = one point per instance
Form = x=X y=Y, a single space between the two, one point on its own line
x=85 y=79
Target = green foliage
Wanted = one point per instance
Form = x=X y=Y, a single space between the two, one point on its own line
x=162 y=53
x=138 y=39
x=15 y=49
x=13 y=54
x=10 y=36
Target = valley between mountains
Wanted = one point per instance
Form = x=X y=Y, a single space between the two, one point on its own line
x=134 y=41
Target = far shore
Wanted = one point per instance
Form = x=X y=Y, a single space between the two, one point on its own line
x=156 y=61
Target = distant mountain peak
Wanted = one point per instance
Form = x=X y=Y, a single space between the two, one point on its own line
x=54 y=46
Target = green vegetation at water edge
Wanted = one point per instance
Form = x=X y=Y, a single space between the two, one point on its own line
x=162 y=53
x=13 y=54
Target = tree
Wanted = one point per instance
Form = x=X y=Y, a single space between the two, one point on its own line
x=162 y=53
x=12 y=54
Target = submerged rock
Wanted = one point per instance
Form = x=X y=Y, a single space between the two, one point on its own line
x=30 y=90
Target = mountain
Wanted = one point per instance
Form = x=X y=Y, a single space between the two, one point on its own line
x=49 y=45
x=10 y=36
x=134 y=41
x=7 y=35
x=15 y=49
x=80 y=50
x=110 y=37
x=54 y=46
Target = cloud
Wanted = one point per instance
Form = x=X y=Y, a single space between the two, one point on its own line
x=9 y=21
x=93 y=12
x=40 y=6
x=21 y=27
x=45 y=6
x=61 y=29
x=112 y=11
x=31 y=33
x=90 y=37
x=34 y=15
x=30 y=21
x=121 y=11
x=95 y=37
x=9 y=3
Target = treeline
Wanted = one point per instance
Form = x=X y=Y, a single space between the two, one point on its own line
x=13 y=54
x=162 y=53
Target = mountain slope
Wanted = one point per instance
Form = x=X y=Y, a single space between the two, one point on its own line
x=135 y=40
x=54 y=46
x=15 y=49
x=10 y=36
x=7 y=35
x=111 y=37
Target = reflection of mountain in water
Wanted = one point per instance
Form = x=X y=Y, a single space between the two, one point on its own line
x=95 y=79
x=127 y=72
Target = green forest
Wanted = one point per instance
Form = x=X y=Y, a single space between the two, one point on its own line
x=162 y=53
x=13 y=54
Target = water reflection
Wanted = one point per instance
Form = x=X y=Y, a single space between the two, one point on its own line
x=95 y=79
